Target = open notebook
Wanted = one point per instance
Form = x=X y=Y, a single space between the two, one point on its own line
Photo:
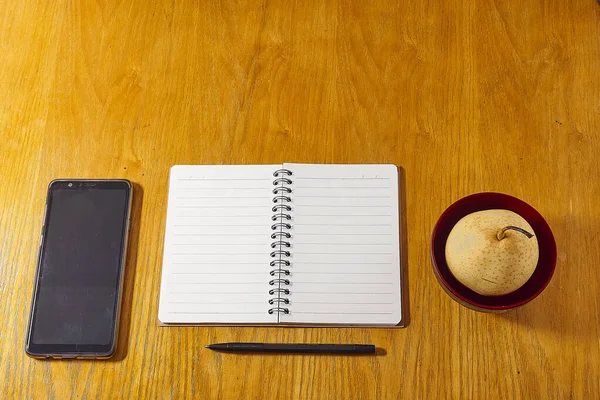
x=282 y=244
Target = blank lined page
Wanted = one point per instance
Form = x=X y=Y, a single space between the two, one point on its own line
x=217 y=245
x=345 y=261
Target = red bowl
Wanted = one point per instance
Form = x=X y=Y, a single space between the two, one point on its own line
x=467 y=297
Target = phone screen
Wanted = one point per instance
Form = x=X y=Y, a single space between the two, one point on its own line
x=77 y=292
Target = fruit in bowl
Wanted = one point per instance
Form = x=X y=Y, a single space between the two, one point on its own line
x=490 y=240
x=492 y=252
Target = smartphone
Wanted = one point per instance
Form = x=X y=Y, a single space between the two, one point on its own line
x=79 y=279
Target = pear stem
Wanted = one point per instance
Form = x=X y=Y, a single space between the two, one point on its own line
x=501 y=233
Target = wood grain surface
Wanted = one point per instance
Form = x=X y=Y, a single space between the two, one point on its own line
x=465 y=95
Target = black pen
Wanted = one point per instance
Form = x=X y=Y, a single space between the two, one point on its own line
x=302 y=348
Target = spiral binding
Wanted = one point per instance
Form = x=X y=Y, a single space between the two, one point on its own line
x=280 y=244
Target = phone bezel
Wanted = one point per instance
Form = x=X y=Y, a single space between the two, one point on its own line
x=64 y=351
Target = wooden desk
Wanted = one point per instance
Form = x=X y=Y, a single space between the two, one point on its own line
x=466 y=95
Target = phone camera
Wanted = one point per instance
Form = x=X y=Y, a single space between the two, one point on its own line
x=70 y=185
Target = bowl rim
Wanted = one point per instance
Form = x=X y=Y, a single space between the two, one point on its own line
x=458 y=295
